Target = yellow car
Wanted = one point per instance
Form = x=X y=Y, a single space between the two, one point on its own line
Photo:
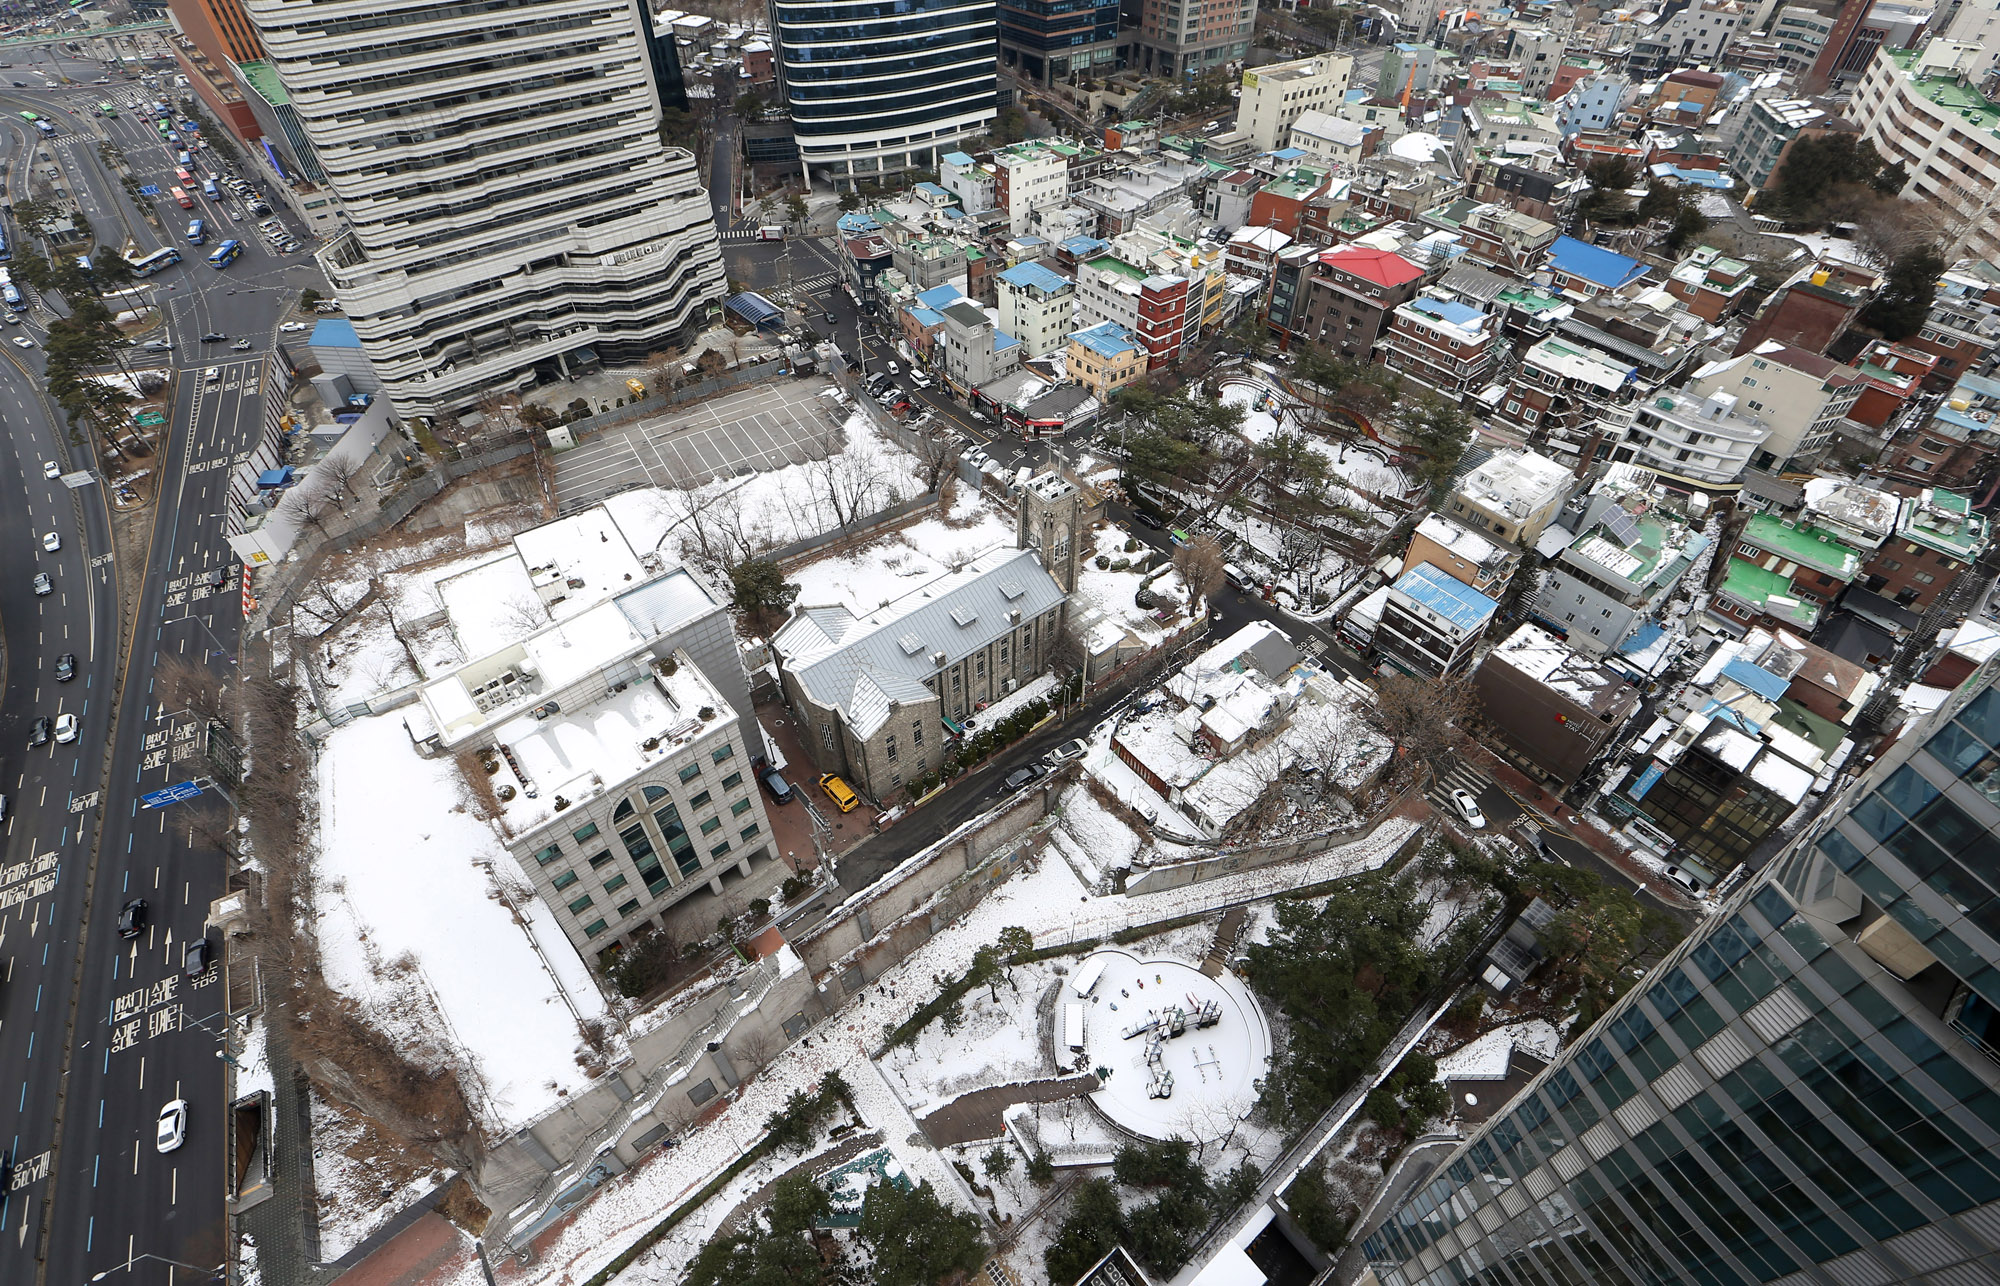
x=837 y=791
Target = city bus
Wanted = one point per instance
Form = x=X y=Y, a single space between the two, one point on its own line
x=197 y=232
x=184 y=178
x=10 y=294
x=6 y=251
x=162 y=127
x=30 y=117
x=225 y=254
x=187 y=202
x=147 y=265
x=208 y=189
x=107 y=110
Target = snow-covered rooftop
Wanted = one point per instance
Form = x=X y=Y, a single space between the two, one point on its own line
x=1463 y=542
x=1541 y=656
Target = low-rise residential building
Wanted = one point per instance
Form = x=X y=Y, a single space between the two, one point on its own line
x=1512 y=496
x=1580 y=270
x=1431 y=621
x=879 y=695
x=1716 y=790
x=1329 y=140
x=1781 y=575
x=970 y=180
x=1629 y=553
x=1801 y=396
x=1153 y=306
x=1568 y=400
x=1812 y=310
x=1274 y=96
x=1963 y=326
x=1105 y=358
x=1710 y=284
x=1036 y=306
x=1463 y=554
x=1441 y=343
x=1768 y=128
x=1891 y=376
x=1938 y=537
x=1552 y=711
x=1955 y=445
x=976 y=351
x=1504 y=239
x=1700 y=441
x=1351 y=293
x=1281 y=202
x=1027 y=177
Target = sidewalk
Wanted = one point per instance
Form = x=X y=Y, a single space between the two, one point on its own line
x=976 y=1117
x=1553 y=814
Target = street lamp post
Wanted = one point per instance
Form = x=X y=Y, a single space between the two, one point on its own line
x=215 y=1273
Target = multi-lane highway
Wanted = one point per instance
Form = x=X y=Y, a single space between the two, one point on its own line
x=97 y=1031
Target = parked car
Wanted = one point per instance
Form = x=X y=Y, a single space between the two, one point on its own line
x=1021 y=777
x=781 y=790
x=132 y=918
x=1680 y=876
x=1468 y=807
x=1068 y=750
x=839 y=792
x=172 y=1130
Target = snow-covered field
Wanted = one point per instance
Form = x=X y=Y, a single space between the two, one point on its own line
x=412 y=927
x=996 y=1042
x=357 y=1195
x=1101 y=590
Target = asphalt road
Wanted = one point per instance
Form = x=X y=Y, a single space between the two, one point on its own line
x=99 y=1032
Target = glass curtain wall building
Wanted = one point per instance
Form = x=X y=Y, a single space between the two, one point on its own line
x=513 y=214
x=876 y=87
x=1806 y=1091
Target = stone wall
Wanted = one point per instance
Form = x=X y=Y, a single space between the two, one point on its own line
x=1174 y=875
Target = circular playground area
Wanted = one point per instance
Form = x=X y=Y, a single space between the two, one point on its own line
x=1176 y=1043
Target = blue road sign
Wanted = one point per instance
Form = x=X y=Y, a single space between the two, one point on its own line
x=173 y=794
x=151 y=189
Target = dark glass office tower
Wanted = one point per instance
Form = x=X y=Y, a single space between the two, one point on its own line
x=1805 y=1092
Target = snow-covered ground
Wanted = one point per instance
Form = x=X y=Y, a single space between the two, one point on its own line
x=865 y=579
x=413 y=927
x=1110 y=594
x=1485 y=1058
x=360 y=1184
x=996 y=1041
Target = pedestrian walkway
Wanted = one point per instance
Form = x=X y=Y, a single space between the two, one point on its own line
x=1457 y=775
x=1224 y=946
x=975 y=1117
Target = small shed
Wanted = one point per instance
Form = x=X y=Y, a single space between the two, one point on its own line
x=1073 y=1024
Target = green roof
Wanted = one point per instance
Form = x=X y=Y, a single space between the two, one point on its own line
x=1530 y=300
x=264 y=79
x=1112 y=263
x=1944 y=521
x=1802 y=543
x=1975 y=109
x=1795 y=718
x=1759 y=588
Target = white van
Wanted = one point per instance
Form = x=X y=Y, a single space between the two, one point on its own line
x=770 y=232
x=1234 y=575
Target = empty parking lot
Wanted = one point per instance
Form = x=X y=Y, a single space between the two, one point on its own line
x=765 y=427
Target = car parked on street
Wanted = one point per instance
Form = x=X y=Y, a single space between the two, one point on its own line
x=1021 y=777
x=1068 y=750
x=1680 y=875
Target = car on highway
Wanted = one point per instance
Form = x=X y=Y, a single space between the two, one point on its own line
x=65 y=728
x=66 y=667
x=196 y=957
x=38 y=731
x=50 y=469
x=1068 y=750
x=52 y=542
x=214 y=337
x=132 y=918
x=1468 y=808
x=22 y=341
x=43 y=585
x=172 y=1131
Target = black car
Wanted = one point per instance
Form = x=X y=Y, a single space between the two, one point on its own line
x=1149 y=520
x=66 y=667
x=132 y=920
x=781 y=790
x=40 y=731
x=196 y=958
x=1021 y=777
x=213 y=337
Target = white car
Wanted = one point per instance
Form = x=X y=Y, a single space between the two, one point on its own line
x=1469 y=807
x=50 y=469
x=172 y=1130
x=895 y=369
x=295 y=326
x=1067 y=751
x=22 y=341
x=65 y=728
x=52 y=542
x=1680 y=876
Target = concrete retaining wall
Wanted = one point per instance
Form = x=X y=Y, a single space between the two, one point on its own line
x=1154 y=879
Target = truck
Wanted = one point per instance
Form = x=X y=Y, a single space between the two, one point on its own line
x=770 y=232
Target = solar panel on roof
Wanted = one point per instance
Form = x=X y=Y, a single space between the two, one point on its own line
x=1621 y=527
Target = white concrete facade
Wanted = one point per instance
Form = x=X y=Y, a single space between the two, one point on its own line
x=1274 y=97
x=510 y=203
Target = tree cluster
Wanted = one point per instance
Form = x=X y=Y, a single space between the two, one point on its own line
x=1158 y=1232
x=1179 y=437
x=1908 y=290
x=794 y=1126
x=1678 y=207
x=914 y=1239
x=1827 y=179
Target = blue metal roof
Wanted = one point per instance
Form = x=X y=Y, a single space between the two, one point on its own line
x=1595 y=264
x=1081 y=246
x=1642 y=638
x=1033 y=274
x=957 y=158
x=927 y=317
x=334 y=332
x=1107 y=339
x=1002 y=341
x=753 y=308
x=1456 y=601
x=1756 y=678
x=1451 y=310
x=932 y=189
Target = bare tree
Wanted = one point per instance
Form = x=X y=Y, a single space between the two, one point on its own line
x=1200 y=563
x=1423 y=719
x=938 y=453
x=339 y=471
x=180 y=684
x=665 y=371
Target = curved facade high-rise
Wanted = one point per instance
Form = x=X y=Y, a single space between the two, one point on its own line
x=876 y=87
x=513 y=214
x=1806 y=1091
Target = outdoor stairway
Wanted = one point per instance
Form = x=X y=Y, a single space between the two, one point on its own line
x=1226 y=935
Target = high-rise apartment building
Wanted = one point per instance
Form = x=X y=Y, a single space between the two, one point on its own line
x=1807 y=1090
x=1052 y=40
x=1183 y=38
x=876 y=89
x=513 y=215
